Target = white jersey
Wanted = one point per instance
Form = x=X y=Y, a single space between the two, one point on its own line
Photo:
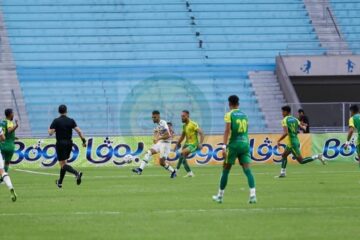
x=161 y=129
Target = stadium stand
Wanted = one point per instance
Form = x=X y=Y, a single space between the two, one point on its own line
x=113 y=61
x=347 y=14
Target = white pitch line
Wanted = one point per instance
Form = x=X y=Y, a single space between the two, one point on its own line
x=172 y=211
x=164 y=175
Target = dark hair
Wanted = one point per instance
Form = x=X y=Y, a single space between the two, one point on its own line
x=301 y=111
x=233 y=100
x=8 y=112
x=155 y=112
x=186 y=111
x=286 y=108
x=62 y=109
x=354 y=108
x=169 y=123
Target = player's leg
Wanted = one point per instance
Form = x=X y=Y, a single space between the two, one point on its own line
x=155 y=149
x=164 y=153
x=297 y=154
x=184 y=154
x=63 y=152
x=7 y=180
x=7 y=156
x=229 y=160
x=245 y=160
x=284 y=161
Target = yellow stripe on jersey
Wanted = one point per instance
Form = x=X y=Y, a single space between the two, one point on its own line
x=351 y=122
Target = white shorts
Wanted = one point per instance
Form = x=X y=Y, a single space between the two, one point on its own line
x=1 y=162
x=163 y=148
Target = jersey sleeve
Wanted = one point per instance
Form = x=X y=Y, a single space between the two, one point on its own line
x=283 y=123
x=351 y=122
x=227 y=117
x=53 y=125
x=74 y=125
x=196 y=126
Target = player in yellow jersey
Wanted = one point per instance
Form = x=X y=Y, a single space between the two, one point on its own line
x=236 y=146
x=191 y=130
x=354 y=125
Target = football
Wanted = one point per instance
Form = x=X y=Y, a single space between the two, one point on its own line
x=130 y=158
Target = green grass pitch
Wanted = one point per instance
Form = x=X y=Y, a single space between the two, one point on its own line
x=313 y=202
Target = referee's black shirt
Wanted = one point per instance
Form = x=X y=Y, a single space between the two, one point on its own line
x=63 y=126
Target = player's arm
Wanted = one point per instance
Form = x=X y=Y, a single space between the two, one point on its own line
x=303 y=125
x=226 y=135
x=181 y=139
x=283 y=136
x=202 y=136
x=12 y=129
x=81 y=135
x=51 y=131
x=2 y=135
x=350 y=132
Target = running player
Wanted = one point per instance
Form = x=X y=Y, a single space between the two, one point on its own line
x=291 y=126
x=4 y=175
x=162 y=143
x=354 y=124
x=236 y=126
x=191 y=130
x=8 y=146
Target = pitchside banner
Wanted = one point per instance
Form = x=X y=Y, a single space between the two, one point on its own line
x=34 y=153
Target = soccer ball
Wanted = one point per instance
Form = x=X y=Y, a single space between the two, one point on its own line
x=130 y=158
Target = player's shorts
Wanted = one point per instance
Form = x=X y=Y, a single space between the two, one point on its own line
x=63 y=150
x=239 y=151
x=7 y=154
x=163 y=148
x=1 y=162
x=294 y=148
x=191 y=147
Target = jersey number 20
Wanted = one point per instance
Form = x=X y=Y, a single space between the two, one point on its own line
x=242 y=125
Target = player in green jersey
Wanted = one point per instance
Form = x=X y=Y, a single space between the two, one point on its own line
x=191 y=130
x=291 y=126
x=354 y=124
x=237 y=147
x=8 y=146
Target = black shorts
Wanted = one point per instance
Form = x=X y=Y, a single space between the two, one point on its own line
x=63 y=150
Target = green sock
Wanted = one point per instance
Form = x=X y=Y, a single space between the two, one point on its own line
x=250 y=177
x=307 y=160
x=283 y=163
x=6 y=168
x=181 y=159
x=186 y=165
x=224 y=178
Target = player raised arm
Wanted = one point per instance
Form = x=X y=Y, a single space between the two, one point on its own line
x=81 y=135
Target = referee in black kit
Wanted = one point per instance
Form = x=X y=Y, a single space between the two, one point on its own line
x=63 y=127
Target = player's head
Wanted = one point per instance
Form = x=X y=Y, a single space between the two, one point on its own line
x=301 y=112
x=354 y=109
x=233 y=101
x=62 y=109
x=156 y=116
x=185 y=115
x=9 y=114
x=286 y=110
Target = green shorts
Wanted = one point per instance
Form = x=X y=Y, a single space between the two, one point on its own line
x=294 y=148
x=239 y=151
x=191 y=147
x=7 y=154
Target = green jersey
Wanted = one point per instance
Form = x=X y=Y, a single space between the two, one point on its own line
x=292 y=124
x=238 y=125
x=9 y=136
x=190 y=130
x=354 y=122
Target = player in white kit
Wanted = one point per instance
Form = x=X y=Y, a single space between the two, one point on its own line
x=4 y=176
x=162 y=143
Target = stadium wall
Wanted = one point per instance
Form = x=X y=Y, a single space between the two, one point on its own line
x=100 y=151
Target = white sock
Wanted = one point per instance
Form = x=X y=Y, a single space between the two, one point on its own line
x=7 y=180
x=283 y=171
x=221 y=193
x=169 y=168
x=252 y=192
x=147 y=156
x=315 y=157
x=142 y=165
